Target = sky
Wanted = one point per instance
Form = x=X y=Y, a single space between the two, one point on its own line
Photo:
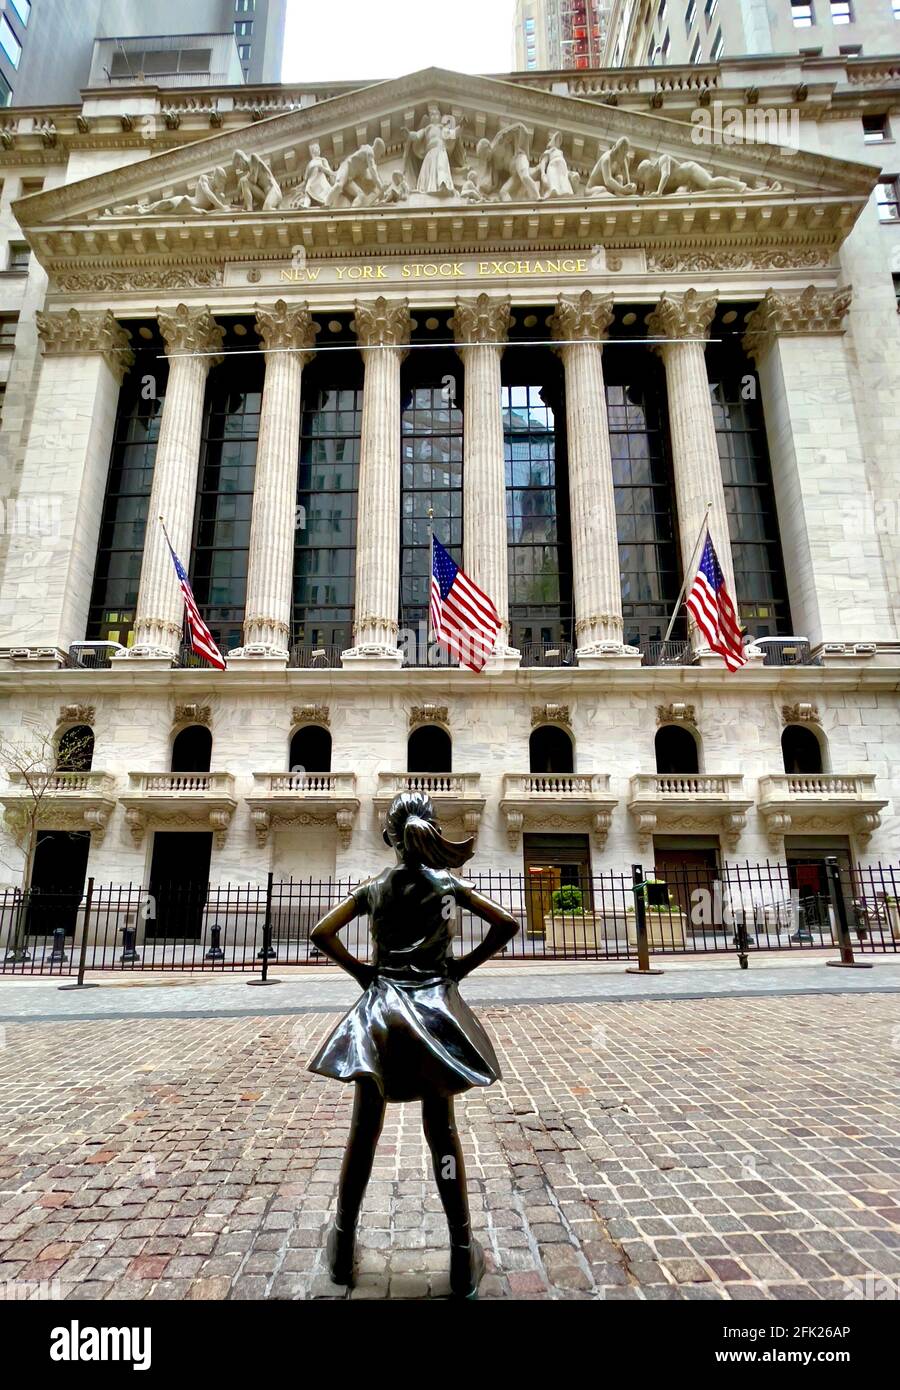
x=357 y=39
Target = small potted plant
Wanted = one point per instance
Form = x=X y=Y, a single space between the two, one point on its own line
x=663 y=914
x=571 y=924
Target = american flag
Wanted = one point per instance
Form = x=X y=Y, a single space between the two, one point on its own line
x=713 y=611
x=201 y=637
x=463 y=618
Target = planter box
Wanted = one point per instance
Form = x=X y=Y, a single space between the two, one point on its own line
x=569 y=931
x=893 y=912
x=664 y=929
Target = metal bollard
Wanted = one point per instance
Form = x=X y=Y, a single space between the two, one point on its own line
x=640 y=925
x=58 y=954
x=839 y=907
x=215 y=951
x=129 y=954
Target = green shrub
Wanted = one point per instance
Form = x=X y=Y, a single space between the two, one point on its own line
x=567 y=899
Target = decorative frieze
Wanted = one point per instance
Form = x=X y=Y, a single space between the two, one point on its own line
x=796 y=314
x=78 y=332
x=77 y=714
x=429 y=714
x=676 y=713
x=800 y=713
x=311 y=714
x=112 y=281
x=550 y=714
x=191 y=714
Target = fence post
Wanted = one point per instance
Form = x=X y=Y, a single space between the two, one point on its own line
x=82 y=951
x=839 y=907
x=640 y=925
x=266 y=951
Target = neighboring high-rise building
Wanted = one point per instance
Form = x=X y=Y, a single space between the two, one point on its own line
x=47 y=47
x=702 y=31
x=560 y=33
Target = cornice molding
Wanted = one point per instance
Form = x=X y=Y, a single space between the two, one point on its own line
x=805 y=313
x=287 y=326
x=77 y=332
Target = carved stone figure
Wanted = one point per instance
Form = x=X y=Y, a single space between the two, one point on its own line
x=470 y=191
x=257 y=187
x=612 y=172
x=668 y=175
x=552 y=171
x=209 y=196
x=507 y=164
x=318 y=181
x=357 y=178
x=397 y=190
x=430 y=153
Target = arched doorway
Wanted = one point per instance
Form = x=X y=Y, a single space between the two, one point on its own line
x=550 y=749
x=192 y=749
x=676 y=751
x=75 y=750
x=429 y=749
x=310 y=749
x=801 y=750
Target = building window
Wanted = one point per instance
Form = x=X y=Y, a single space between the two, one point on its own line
x=429 y=749
x=644 y=493
x=690 y=15
x=696 y=51
x=875 y=129
x=718 y=45
x=121 y=547
x=9 y=43
x=218 y=568
x=245 y=6
x=244 y=52
x=841 y=12
x=431 y=443
x=677 y=752
x=759 y=576
x=550 y=749
x=709 y=9
x=661 y=12
x=244 y=28
x=897 y=289
x=8 y=325
x=666 y=45
x=802 y=14
x=19 y=256
x=28 y=186
x=22 y=9
x=310 y=749
x=887 y=196
x=851 y=50
x=325 y=537
x=5 y=92
x=537 y=518
x=801 y=751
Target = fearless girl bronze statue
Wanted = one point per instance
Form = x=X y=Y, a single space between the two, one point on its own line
x=411 y=1036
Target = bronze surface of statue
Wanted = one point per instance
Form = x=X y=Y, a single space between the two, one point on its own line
x=411 y=1036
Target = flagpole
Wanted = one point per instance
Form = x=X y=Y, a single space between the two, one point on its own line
x=689 y=572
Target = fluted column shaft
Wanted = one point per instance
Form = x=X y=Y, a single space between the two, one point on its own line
x=159 y=617
x=480 y=327
x=581 y=324
x=692 y=428
x=288 y=335
x=382 y=328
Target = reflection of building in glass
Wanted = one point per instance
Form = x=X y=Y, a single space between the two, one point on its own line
x=560 y=33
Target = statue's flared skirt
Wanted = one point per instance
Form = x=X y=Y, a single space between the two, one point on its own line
x=413 y=1040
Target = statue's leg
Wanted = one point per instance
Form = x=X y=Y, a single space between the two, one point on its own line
x=466 y=1256
x=359 y=1155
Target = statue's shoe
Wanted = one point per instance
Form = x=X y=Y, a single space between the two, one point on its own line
x=466 y=1269
x=340 y=1249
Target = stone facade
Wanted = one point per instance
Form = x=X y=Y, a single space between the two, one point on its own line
x=118 y=239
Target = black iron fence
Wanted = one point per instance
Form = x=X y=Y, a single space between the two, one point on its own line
x=739 y=910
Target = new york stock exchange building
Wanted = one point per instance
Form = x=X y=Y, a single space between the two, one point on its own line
x=552 y=316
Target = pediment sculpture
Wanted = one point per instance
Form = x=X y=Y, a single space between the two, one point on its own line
x=434 y=166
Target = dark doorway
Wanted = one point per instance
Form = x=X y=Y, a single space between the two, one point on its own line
x=57 y=880
x=801 y=750
x=676 y=750
x=75 y=751
x=807 y=874
x=686 y=870
x=179 y=880
x=311 y=750
x=429 y=750
x=192 y=749
x=552 y=862
x=550 y=749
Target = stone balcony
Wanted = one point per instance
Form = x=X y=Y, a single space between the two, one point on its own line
x=180 y=801
x=456 y=795
x=68 y=800
x=303 y=798
x=557 y=800
x=839 y=802
x=689 y=803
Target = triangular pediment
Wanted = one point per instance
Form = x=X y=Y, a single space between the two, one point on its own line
x=521 y=160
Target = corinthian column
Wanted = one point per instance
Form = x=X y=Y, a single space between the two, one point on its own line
x=382 y=328
x=695 y=450
x=159 y=619
x=580 y=325
x=480 y=327
x=288 y=336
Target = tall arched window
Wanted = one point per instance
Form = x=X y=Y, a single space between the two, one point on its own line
x=801 y=750
x=310 y=749
x=192 y=749
x=429 y=750
x=550 y=749
x=75 y=751
x=676 y=750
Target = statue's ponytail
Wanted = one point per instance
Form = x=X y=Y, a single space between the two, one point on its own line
x=412 y=828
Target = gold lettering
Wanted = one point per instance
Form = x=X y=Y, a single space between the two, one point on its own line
x=483 y=268
x=381 y=273
x=554 y=267
x=339 y=271
x=289 y=274
x=568 y=266
x=581 y=265
x=406 y=272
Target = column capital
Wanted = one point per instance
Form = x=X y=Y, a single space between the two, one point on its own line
x=287 y=326
x=484 y=320
x=382 y=322
x=796 y=313
x=685 y=315
x=86 y=331
x=191 y=330
x=586 y=317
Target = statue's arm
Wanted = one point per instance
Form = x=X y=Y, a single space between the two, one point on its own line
x=324 y=935
x=502 y=928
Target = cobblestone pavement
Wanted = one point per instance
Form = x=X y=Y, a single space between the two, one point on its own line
x=724 y=1148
